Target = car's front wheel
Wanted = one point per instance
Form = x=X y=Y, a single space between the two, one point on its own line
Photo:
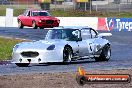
x=22 y=64
x=34 y=25
x=67 y=55
x=20 y=25
x=105 y=54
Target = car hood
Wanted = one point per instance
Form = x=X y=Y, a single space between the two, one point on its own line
x=46 y=17
x=40 y=45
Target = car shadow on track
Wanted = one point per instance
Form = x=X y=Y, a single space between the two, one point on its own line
x=68 y=63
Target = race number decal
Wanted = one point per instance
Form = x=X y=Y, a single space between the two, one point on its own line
x=90 y=47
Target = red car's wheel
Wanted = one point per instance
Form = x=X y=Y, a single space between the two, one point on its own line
x=34 y=25
x=20 y=25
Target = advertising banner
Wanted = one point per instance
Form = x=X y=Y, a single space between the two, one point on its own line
x=44 y=1
x=60 y=0
x=115 y=24
x=82 y=0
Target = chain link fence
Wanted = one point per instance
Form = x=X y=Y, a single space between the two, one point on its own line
x=113 y=5
x=98 y=5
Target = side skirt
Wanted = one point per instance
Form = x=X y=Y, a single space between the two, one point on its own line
x=75 y=58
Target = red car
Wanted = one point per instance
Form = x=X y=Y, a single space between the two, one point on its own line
x=37 y=18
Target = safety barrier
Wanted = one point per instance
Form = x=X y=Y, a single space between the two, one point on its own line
x=115 y=24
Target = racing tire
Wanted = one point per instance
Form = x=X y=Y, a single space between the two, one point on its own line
x=20 y=25
x=22 y=64
x=67 y=55
x=34 y=25
x=105 y=54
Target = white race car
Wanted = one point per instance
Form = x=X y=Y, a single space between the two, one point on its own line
x=63 y=45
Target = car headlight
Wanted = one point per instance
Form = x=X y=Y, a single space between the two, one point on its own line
x=15 y=47
x=40 y=21
x=51 y=47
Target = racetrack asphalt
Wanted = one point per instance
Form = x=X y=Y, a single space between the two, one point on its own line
x=121 y=46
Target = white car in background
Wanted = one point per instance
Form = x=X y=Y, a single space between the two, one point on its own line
x=63 y=45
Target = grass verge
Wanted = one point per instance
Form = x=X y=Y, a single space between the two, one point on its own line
x=76 y=13
x=81 y=13
x=18 y=9
x=6 y=46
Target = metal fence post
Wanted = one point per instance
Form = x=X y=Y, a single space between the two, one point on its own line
x=85 y=6
x=90 y=6
x=96 y=7
x=119 y=8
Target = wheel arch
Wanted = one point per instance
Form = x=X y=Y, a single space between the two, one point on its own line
x=36 y=24
x=66 y=57
x=68 y=46
x=19 y=20
x=108 y=44
x=33 y=20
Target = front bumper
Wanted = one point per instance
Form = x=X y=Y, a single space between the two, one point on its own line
x=43 y=57
x=42 y=24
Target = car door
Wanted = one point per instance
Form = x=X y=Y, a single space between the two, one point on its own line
x=93 y=41
x=77 y=41
x=26 y=18
x=83 y=44
x=98 y=42
x=30 y=18
x=87 y=46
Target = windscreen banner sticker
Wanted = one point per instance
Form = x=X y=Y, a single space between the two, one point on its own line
x=115 y=24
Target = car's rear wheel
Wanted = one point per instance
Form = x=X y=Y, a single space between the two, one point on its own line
x=22 y=64
x=67 y=55
x=105 y=54
x=20 y=25
x=34 y=25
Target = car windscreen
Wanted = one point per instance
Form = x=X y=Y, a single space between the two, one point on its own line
x=66 y=34
x=39 y=13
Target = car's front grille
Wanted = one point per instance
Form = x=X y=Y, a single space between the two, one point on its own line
x=30 y=54
x=49 y=21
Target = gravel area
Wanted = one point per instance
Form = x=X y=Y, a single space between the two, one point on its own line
x=57 y=80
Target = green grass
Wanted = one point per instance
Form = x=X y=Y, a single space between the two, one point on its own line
x=18 y=9
x=6 y=46
x=80 y=13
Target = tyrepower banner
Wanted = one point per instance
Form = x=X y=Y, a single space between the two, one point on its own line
x=115 y=24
